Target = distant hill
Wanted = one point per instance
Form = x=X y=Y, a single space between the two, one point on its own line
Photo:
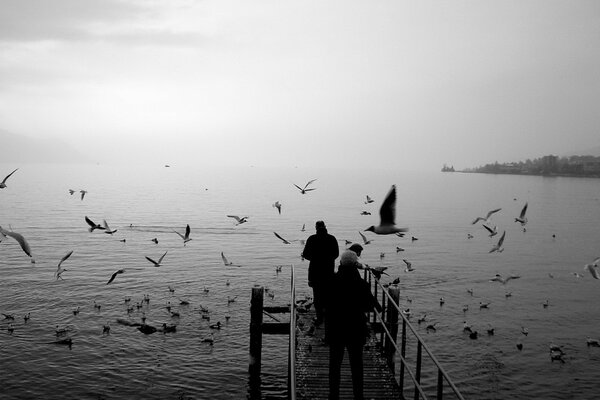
x=23 y=149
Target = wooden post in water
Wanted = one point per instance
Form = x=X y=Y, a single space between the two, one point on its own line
x=392 y=321
x=256 y=321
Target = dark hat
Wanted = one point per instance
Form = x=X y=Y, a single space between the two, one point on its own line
x=357 y=248
x=320 y=225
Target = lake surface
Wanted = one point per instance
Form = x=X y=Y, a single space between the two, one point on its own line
x=562 y=235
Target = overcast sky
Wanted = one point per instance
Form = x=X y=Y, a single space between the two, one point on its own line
x=402 y=84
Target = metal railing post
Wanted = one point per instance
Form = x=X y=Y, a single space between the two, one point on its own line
x=418 y=369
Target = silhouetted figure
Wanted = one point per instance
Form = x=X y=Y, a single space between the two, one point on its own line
x=350 y=298
x=321 y=250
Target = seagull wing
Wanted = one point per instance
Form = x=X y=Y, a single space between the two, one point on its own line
x=501 y=239
x=523 y=211
x=489 y=214
x=90 y=222
x=234 y=217
x=187 y=232
x=224 y=259
x=282 y=239
x=477 y=220
x=309 y=182
x=113 y=276
x=364 y=238
x=180 y=235
x=8 y=176
x=152 y=261
x=161 y=257
x=387 y=212
x=65 y=258
x=490 y=230
x=21 y=240
x=299 y=188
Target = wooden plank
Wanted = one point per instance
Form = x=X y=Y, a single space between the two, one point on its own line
x=312 y=367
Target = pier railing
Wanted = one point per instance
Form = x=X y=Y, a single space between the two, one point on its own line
x=387 y=323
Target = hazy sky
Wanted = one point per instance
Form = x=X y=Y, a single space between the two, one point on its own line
x=404 y=84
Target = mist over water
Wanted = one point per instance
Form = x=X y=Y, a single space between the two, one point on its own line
x=147 y=203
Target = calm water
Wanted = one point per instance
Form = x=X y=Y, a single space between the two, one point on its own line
x=147 y=203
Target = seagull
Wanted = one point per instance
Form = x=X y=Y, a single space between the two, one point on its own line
x=21 y=240
x=499 y=278
x=409 y=267
x=365 y=213
x=107 y=228
x=305 y=188
x=238 y=219
x=369 y=200
x=487 y=217
x=593 y=268
x=364 y=238
x=83 y=192
x=493 y=231
x=227 y=262
x=3 y=183
x=60 y=270
x=93 y=225
x=522 y=219
x=399 y=249
x=387 y=215
x=277 y=205
x=186 y=238
x=156 y=264
x=71 y=191
x=282 y=239
x=498 y=247
x=303 y=228
x=377 y=271
x=113 y=276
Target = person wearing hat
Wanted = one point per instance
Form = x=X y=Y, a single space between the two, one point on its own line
x=357 y=248
x=321 y=250
x=350 y=298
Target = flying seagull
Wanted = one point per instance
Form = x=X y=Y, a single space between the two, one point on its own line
x=113 y=276
x=3 y=183
x=21 y=240
x=186 y=238
x=387 y=215
x=498 y=247
x=60 y=270
x=487 y=217
x=227 y=262
x=93 y=225
x=409 y=267
x=83 y=192
x=305 y=188
x=364 y=238
x=157 y=263
x=522 y=219
x=282 y=239
x=277 y=205
x=240 y=220
x=368 y=200
x=499 y=278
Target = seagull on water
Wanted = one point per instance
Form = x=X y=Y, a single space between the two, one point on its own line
x=21 y=240
x=387 y=215
x=282 y=239
x=593 y=268
x=487 y=217
x=60 y=270
x=107 y=228
x=522 y=219
x=498 y=247
x=227 y=262
x=240 y=220
x=186 y=238
x=3 y=183
x=93 y=225
x=305 y=188
x=157 y=263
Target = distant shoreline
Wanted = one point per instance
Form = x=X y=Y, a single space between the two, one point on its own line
x=549 y=175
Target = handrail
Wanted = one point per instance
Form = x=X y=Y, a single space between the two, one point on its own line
x=292 y=350
x=420 y=341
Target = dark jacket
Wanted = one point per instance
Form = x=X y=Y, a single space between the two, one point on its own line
x=350 y=298
x=321 y=250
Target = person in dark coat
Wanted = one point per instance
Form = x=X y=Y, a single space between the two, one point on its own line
x=321 y=250
x=350 y=298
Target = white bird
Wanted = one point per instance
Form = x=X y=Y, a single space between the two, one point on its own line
x=387 y=215
x=593 y=268
x=93 y=225
x=369 y=200
x=305 y=188
x=227 y=262
x=60 y=270
x=277 y=205
x=487 y=217
x=157 y=263
x=3 y=183
x=21 y=240
x=282 y=239
x=499 y=278
x=107 y=228
x=498 y=247
x=240 y=220
x=522 y=219
x=364 y=238
x=493 y=231
x=186 y=238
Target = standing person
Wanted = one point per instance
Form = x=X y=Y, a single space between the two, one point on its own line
x=349 y=300
x=321 y=250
